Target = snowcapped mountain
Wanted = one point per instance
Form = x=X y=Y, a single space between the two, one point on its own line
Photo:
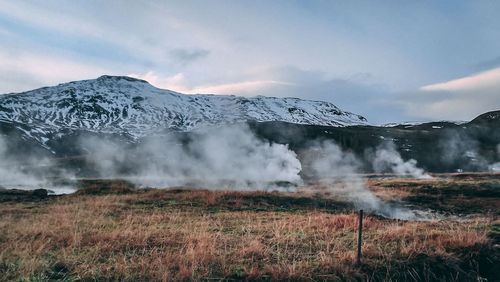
x=124 y=105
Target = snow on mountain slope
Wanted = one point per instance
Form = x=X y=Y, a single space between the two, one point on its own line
x=117 y=104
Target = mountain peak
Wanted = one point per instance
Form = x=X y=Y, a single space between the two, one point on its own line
x=120 y=77
x=126 y=105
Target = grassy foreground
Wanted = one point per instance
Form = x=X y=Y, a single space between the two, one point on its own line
x=110 y=231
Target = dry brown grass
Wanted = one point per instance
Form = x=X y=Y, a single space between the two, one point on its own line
x=458 y=194
x=195 y=235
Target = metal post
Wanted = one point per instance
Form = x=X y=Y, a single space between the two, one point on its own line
x=360 y=236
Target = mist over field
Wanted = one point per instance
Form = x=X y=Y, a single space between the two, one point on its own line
x=234 y=158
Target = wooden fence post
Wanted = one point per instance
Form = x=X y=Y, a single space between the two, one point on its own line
x=360 y=237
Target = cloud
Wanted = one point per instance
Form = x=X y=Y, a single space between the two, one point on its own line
x=178 y=82
x=482 y=80
x=459 y=99
x=186 y=56
x=44 y=16
x=104 y=30
x=25 y=71
x=242 y=88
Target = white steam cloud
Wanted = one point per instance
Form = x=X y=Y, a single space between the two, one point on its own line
x=339 y=171
x=11 y=175
x=388 y=159
x=463 y=152
x=495 y=167
x=27 y=173
x=227 y=157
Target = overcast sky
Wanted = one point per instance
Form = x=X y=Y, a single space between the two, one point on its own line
x=393 y=61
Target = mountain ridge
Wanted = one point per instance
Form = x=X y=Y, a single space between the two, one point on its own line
x=121 y=104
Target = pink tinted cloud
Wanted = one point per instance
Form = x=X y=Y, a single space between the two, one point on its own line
x=476 y=81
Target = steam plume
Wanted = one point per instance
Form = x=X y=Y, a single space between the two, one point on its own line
x=340 y=172
x=388 y=159
x=28 y=172
x=227 y=157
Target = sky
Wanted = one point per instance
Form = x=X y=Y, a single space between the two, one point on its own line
x=390 y=61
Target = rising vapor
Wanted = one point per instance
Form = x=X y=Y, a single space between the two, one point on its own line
x=225 y=157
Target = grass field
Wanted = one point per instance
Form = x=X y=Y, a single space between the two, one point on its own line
x=109 y=230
